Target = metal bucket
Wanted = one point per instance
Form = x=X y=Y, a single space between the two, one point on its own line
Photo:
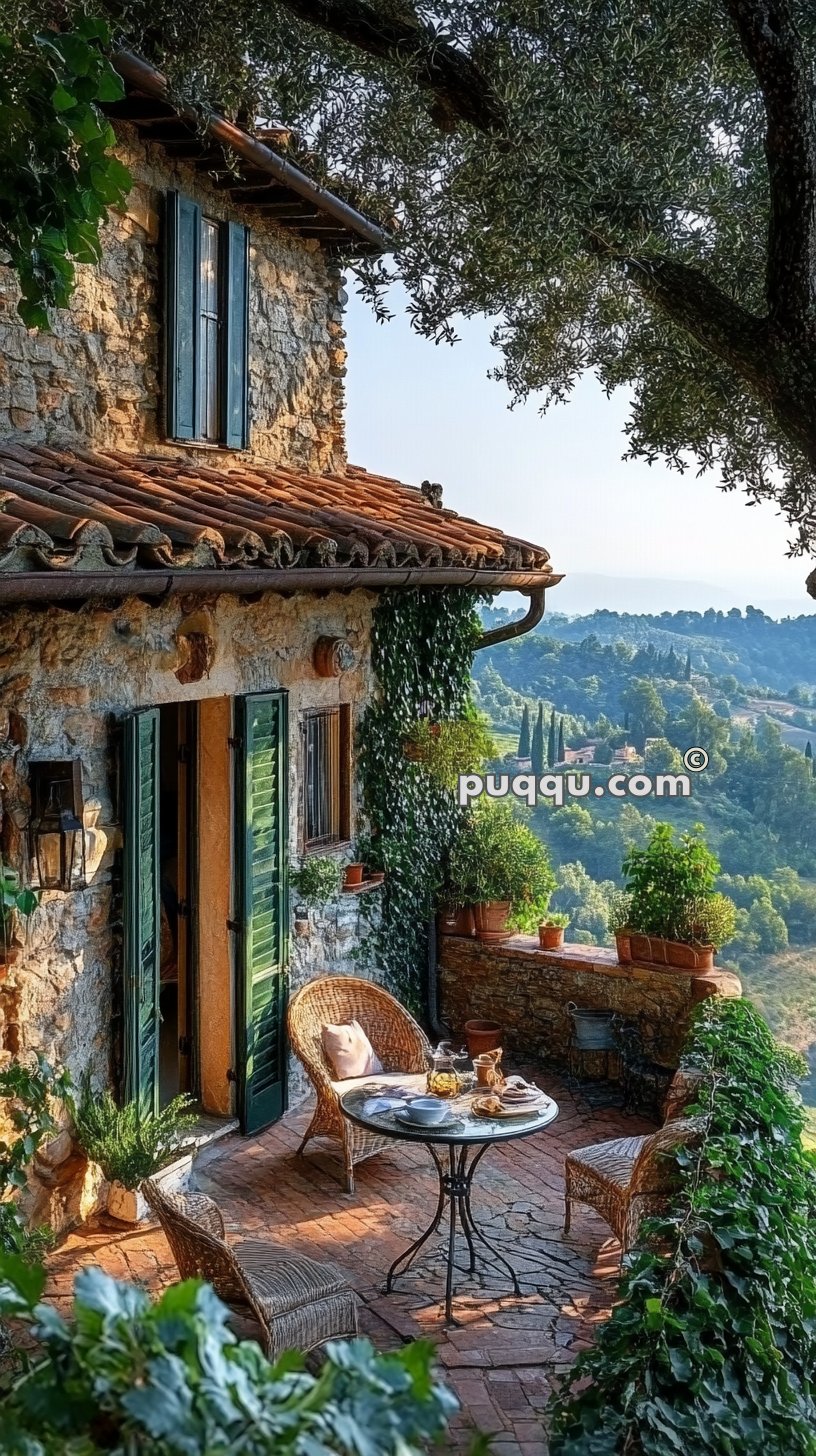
x=592 y=1029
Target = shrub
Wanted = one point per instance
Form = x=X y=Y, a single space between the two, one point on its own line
x=670 y=881
x=28 y=1094
x=170 y=1379
x=711 y=1350
x=127 y=1147
x=496 y=857
x=318 y=879
x=451 y=747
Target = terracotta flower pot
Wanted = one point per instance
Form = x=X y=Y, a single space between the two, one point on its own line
x=623 y=944
x=456 y=922
x=678 y=955
x=482 y=1036
x=353 y=874
x=491 y=920
x=551 y=937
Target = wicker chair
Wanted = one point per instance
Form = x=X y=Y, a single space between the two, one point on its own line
x=627 y=1179
x=298 y=1302
x=399 y=1042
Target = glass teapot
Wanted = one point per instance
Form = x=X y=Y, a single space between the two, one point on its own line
x=443 y=1079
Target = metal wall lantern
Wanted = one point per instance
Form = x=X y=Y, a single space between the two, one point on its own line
x=57 y=829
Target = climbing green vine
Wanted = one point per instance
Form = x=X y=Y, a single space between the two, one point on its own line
x=422 y=648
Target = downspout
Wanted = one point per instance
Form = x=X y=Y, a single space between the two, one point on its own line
x=531 y=619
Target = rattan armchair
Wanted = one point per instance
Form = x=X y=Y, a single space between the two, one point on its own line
x=399 y=1042
x=298 y=1302
x=627 y=1179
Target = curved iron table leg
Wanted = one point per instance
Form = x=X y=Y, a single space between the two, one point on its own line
x=471 y=1225
x=455 y=1183
x=410 y=1254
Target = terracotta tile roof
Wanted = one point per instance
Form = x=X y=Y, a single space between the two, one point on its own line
x=79 y=511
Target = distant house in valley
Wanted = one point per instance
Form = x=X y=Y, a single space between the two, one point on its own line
x=580 y=755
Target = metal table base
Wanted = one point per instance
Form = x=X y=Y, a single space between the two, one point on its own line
x=455 y=1182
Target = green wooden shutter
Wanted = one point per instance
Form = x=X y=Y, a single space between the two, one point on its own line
x=142 y=927
x=262 y=905
x=182 y=315
x=235 y=349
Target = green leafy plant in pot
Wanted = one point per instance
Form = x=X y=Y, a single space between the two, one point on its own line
x=674 y=910
x=501 y=868
x=13 y=900
x=551 y=930
x=127 y=1146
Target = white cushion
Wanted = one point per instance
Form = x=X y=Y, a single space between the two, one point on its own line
x=350 y=1052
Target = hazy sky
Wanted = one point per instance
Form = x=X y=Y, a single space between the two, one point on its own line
x=421 y=411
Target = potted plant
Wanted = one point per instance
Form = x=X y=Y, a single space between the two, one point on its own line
x=676 y=917
x=618 y=918
x=353 y=874
x=501 y=868
x=452 y=747
x=13 y=900
x=317 y=880
x=129 y=1147
x=551 y=931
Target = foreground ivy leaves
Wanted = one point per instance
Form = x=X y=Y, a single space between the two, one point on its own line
x=167 y=1378
x=712 y=1349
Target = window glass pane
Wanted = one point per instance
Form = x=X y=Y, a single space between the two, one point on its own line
x=323 y=778
x=209 y=372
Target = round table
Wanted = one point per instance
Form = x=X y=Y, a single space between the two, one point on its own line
x=457 y=1150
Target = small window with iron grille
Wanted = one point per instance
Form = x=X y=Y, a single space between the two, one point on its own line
x=326 y=777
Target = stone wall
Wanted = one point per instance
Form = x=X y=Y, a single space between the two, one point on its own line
x=67 y=677
x=95 y=379
x=527 y=990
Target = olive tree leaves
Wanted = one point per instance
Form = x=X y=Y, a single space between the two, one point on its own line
x=57 y=176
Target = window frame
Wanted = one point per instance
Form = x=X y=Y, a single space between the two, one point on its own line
x=341 y=792
x=185 y=321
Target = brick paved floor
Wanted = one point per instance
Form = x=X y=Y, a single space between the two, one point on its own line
x=506 y=1352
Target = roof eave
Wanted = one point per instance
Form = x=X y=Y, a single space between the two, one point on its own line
x=21 y=587
x=140 y=74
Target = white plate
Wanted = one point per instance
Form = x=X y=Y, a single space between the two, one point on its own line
x=402 y=1114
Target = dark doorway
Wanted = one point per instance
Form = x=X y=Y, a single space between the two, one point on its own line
x=177 y=1070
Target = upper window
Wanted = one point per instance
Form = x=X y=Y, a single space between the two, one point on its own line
x=207 y=334
x=327 y=777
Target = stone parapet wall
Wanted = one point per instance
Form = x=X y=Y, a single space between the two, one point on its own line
x=527 y=990
x=95 y=379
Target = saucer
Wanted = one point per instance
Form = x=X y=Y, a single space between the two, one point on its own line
x=403 y=1114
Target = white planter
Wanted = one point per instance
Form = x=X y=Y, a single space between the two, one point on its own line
x=127 y=1204
x=175 y=1177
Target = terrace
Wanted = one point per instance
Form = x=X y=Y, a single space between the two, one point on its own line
x=507 y=1351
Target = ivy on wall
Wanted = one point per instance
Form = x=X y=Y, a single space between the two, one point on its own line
x=422 y=649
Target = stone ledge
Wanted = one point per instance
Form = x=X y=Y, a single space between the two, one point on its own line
x=527 y=990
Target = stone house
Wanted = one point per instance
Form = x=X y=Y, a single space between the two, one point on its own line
x=188 y=570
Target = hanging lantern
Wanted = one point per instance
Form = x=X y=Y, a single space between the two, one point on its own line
x=57 y=830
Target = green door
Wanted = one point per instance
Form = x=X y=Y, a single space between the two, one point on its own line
x=142 y=929
x=262 y=891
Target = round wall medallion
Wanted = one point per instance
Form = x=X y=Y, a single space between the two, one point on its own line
x=332 y=656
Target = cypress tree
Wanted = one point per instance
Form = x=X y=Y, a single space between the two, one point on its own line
x=560 y=758
x=537 y=745
x=687 y=673
x=551 y=741
x=808 y=750
x=524 y=735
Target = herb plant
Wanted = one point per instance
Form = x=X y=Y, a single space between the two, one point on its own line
x=446 y=750
x=27 y=1097
x=711 y=1349
x=317 y=880
x=170 y=1379
x=496 y=857
x=667 y=880
x=13 y=898
x=127 y=1147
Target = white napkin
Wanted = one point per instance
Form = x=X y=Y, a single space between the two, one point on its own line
x=373 y=1105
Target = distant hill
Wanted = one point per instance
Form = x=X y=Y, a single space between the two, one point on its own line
x=584 y=592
